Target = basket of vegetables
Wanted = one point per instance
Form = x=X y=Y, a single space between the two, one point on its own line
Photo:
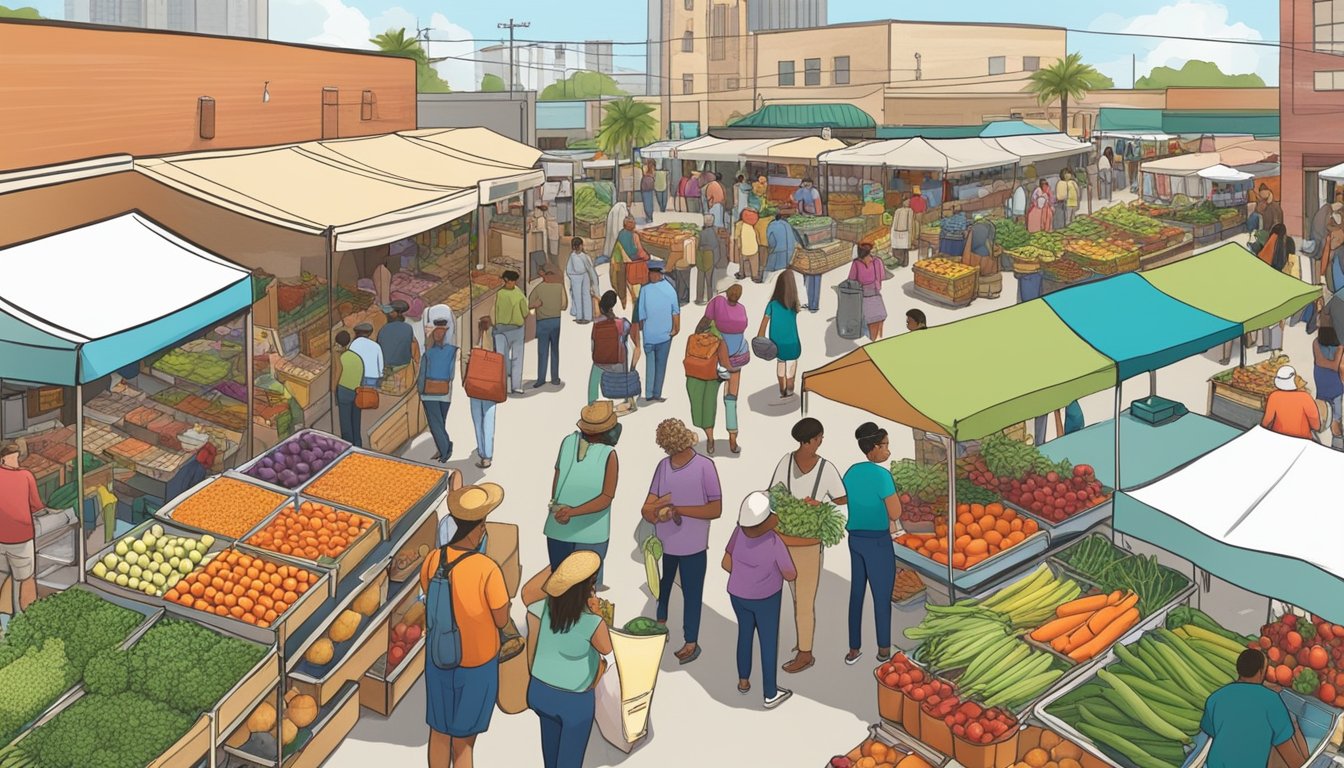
x=805 y=522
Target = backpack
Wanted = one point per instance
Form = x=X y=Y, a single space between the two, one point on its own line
x=702 y=356
x=443 y=636
x=607 y=343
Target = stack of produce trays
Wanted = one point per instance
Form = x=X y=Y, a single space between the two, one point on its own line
x=1143 y=707
x=1113 y=569
x=394 y=490
x=1064 y=499
x=228 y=507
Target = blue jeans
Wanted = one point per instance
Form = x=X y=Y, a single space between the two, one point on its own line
x=548 y=347
x=655 y=368
x=761 y=618
x=348 y=416
x=558 y=550
x=693 y=590
x=483 y=418
x=509 y=343
x=813 y=285
x=872 y=563
x=566 y=720
x=436 y=413
x=662 y=199
x=646 y=197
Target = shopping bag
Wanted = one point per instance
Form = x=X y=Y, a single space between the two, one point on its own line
x=764 y=348
x=618 y=385
x=513 y=681
x=485 y=378
x=624 y=695
x=366 y=398
x=637 y=272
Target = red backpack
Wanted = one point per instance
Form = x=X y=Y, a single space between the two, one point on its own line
x=702 y=357
x=607 y=342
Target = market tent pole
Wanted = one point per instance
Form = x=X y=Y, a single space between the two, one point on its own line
x=1119 y=386
x=333 y=423
x=251 y=383
x=79 y=477
x=951 y=516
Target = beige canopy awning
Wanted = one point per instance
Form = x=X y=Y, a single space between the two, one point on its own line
x=804 y=150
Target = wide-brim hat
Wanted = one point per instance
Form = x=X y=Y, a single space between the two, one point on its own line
x=576 y=569
x=1286 y=379
x=472 y=503
x=597 y=418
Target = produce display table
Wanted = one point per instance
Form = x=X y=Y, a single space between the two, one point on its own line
x=1169 y=255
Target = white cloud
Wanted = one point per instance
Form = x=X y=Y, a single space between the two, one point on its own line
x=1202 y=19
x=460 y=72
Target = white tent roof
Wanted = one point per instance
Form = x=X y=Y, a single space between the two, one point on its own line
x=973 y=154
x=1136 y=135
x=1182 y=165
x=1333 y=173
x=949 y=155
x=1044 y=146
x=1223 y=173
x=804 y=150
x=79 y=304
x=661 y=150
x=1275 y=531
x=724 y=150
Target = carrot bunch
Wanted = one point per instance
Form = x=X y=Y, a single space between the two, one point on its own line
x=1089 y=625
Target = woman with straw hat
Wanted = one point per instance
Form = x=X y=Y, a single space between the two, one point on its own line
x=586 y=473
x=460 y=582
x=566 y=639
x=758 y=564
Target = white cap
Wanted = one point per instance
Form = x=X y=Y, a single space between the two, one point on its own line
x=1286 y=379
x=755 y=510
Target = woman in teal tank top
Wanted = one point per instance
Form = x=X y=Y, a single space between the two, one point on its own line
x=586 y=473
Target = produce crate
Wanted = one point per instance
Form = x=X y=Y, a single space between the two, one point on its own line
x=126 y=596
x=381 y=691
x=822 y=258
x=393 y=529
x=819 y=230
x=165 y=513
x=302 y=385
x=353 y=657
x=414 y=545
x=955 y=290
x=255 y=460
x=1127 y=263
x=1075 y=525
x=1180 y=597
x=244 y=697
x=590 y=229
x=982 y=573
x=344 y=564
x=334 y=722
x=852 y=229
x=879 y=733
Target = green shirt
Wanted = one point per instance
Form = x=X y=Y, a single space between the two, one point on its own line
x=352 y=370
x=580 y=482
x=510 y=306
x=868 y=486
x=554 y=300
x=1245 y=721
x=568 y=660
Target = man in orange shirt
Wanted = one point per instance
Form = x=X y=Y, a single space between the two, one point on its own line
x=1289 y=410
x=460 y=700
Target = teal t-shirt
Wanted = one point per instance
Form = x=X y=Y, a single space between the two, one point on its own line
x=580 y=482
x=783 y=331
x=568 y=660
x=868 y=485
x=1245 y=722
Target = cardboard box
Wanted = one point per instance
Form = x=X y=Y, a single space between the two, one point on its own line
x=501 y=545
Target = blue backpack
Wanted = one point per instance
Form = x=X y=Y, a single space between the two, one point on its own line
x=443 y=636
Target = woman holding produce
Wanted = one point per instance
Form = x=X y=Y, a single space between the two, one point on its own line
x=758 y=564
x=730 y=317
x=706 y=366
x=684 y=497
x=873 y=506
x=566 y=639
x=781 y=320
x=805 y=470
x=586 y=473
x=1329 y=375
x=435 y=385
x=868 y=271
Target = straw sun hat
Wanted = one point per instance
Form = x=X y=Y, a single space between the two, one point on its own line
x=471 y=503
x=576 y=569
x=597 y=418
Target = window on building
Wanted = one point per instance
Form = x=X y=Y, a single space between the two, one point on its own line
x=733 y=84
x=687 y=41
x=687 y=84
x=1330 y=80
x=840 y=70
x=718 y=28
x=1031 y=63
x=786 y=73
x=689 y=5
x=811 y=71
x=1329 y=25
x=715 y=83
x=368 y=104
x=998 y=65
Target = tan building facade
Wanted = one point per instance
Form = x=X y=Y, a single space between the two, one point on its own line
x=705 y=63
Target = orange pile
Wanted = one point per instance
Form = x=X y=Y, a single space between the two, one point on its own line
x=384 y=487
x=310 y=531
x=980 y=533
x=244 y=587
x=228 y=507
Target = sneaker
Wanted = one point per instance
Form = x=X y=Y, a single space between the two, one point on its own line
x=781 y=695
x=852 y=657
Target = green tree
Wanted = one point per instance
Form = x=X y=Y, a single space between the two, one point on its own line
x=581 y=86
x=493 y=84
x=626 y=125
x=1196 y=74
x=1068 y=78
x=25 y=12
x=394 y=42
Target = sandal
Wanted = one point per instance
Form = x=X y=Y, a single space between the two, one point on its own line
x=733 y=446
x=744 y=688
x=709 y=447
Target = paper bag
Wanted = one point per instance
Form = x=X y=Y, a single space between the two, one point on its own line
x=624 y=695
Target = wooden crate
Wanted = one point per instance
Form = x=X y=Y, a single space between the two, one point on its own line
x=189 y=750
x=383 y=695
x=953 y=289
x=306 y=390
x=1127 y=263
x=244 y=697
x=329 y=730
x=346 y=563
x=823 y=258
x=408 y=557
x=371 y=645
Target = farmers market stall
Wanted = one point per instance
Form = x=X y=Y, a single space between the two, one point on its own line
x=785 y=164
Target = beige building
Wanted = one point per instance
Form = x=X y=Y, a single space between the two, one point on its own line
x=705 y=63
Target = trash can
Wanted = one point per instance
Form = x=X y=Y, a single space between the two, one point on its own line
x=849 y=310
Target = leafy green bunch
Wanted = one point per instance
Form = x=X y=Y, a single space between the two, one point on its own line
x=85 y=622
x=922 y=481
x=125 y=730
x=807 y=518
x=188 y=667
x=30 y=684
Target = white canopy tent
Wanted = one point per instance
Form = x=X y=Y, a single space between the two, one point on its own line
x=1276 y=531
x=804 y=151
x=918 y=154
x=662 y=150
x=725 y=150
x=1222 y=173
x=1039 y=147
x=1334 y=173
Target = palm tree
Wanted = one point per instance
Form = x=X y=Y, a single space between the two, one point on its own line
x=394 y=42
x=1068 y=78
x=627 y=125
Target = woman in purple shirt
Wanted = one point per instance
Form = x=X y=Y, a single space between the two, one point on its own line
x=683 y=498
x=758 y=564
x=868 y=272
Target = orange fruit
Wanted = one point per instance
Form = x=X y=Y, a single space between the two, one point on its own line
x=291 y=598
x=1029 y=527
x=249 y=618
x=958 y=560
x=246 y=603
x=270 y=616
x=1015 y=524
x=221 y=610
x=987 y=523
x=230 y=600
x=236 y=612
x=975 y=531
x=209 y=592
x=280 y=608
x=1004 y=527
x=993 y=538
x=976 y=547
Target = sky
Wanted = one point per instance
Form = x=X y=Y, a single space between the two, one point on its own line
x=471 y=25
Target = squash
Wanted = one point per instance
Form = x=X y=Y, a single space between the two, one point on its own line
x=415 y=614
x=345 y=626
x=239 y=737
x=262 y=719
x=288 y=732
x=290 y=694
x=302 y=711
x=913 y=761
x=368 y=601
x=320 y=654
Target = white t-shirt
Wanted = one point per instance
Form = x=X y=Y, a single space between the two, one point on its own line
x=372 y=355
x=829 y=488
x=1103 y=163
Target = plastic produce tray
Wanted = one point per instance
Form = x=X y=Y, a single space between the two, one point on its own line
x=1316 y=720
x=257 y=459
x=344 y=564
x=968 y=580
x=127 y=596
x=392 y=529
x=1074 y=526
x=165 y=513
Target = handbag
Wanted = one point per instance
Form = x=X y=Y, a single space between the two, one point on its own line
x=438 y=387
x=637 y=272
x=485 y=378
x=366 y=398
x=764 y=348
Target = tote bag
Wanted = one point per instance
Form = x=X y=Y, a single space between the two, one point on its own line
x=485 y=379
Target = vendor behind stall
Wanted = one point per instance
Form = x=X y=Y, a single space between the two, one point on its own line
x=397 y=339
x=1247 y=721
x=807 y=199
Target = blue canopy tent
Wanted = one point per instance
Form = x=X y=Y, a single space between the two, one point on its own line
x=80 y=304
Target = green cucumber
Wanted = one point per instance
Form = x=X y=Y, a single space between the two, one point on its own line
x=1132 y=660
x=1125 y=747
x=1025 y=690
x=1090 y=712
x=1195 y=659
x=1154 y=693
x=1129 y=701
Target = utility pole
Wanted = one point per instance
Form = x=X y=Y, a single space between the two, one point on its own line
x=512 y=25
x=1133 y=71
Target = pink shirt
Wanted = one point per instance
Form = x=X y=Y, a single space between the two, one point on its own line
x=18 y=502
x=727 y=318
x=867 y=275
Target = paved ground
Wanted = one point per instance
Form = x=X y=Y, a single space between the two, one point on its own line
x=698 y=718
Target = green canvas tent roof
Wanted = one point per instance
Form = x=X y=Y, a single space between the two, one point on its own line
x=1123 y=119
x=805 y=116
x=1186 y=122
x=992 y=130
x=1246 y=290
